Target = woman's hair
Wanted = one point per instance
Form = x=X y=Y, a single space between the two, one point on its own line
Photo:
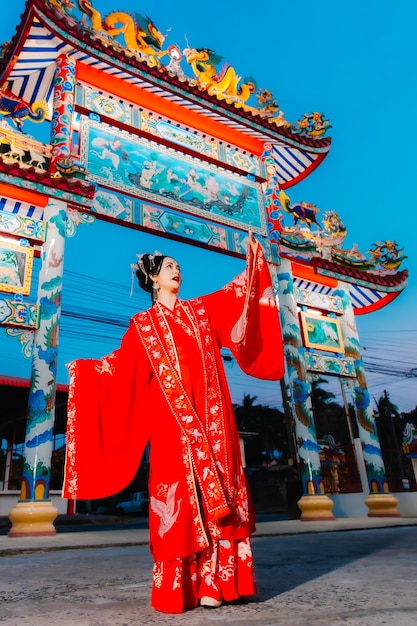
x=149 y=265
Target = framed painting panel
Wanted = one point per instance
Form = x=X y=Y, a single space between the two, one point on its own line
x=145 y=169
x=321 y=332
x=16 y=264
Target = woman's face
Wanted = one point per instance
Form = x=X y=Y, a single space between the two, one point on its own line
x=169 y=277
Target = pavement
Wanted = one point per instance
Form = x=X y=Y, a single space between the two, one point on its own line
x=108 y=531
x=307 y=573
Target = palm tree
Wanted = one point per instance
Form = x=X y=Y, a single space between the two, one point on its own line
x=329 y=416
x=267 y=427
x=390 y=424
x=330 y=419
x=319 y=396
x=386 y=408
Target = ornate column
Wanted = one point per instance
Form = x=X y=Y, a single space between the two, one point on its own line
x=314 y=504
x=271 y=199
x=63 y=103
x=380 y=502
x=34 y=513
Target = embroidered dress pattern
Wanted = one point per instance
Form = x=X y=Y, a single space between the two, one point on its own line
x=203 y=461
x=71 y=477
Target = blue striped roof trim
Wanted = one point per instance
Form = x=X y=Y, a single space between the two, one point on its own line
x=21 y=208
x=360 y=296
x=308 y=285
x=35 y=86
x=291 y=162
x=40 y=50
x=302 y=158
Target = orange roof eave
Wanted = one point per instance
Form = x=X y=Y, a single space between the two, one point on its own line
x=171 y=110
x=21 y=194
x=306 y=272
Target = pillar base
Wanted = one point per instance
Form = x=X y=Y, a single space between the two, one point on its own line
x=382 y=505
x=33 y=518
x=316 y=508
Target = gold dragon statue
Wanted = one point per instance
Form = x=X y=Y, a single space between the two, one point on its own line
x=225 y=84
x=139 y=32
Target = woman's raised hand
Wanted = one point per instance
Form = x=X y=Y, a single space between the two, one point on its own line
x=253 y=244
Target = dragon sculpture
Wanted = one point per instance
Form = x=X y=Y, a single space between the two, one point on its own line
x=385 y=257
x=312 y=124
x=325 y=239
x=18 y=110
x=139 y=32
x=64 y=5
x=223 y=85
x=301 y=212
x=268 y=108
x=387 y=254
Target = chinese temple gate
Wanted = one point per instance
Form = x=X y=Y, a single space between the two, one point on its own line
x=143 y=133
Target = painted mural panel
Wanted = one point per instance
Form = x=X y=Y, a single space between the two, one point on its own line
x=114 y=205
x=181 y=136
x=330 y=365
x=321 y=332
x=22 y=314
x=119 y=206
x=21 y=226
x=125 y=162
x=15 y=268
x=107 y=105
x=173 y=223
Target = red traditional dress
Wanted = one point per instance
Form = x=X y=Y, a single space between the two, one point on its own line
x=166 y=384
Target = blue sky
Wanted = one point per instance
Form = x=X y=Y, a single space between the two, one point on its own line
x=354 y=61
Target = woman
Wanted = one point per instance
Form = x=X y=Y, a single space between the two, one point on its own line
x=166 y=385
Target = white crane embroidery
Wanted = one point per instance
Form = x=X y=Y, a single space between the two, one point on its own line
x=166 y=510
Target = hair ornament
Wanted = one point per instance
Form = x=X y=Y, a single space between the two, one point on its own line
x=148 y=265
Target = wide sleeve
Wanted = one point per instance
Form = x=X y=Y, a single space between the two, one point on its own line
x=245 y=316
x=107 y=427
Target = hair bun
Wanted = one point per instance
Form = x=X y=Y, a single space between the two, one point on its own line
x=148 y=265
